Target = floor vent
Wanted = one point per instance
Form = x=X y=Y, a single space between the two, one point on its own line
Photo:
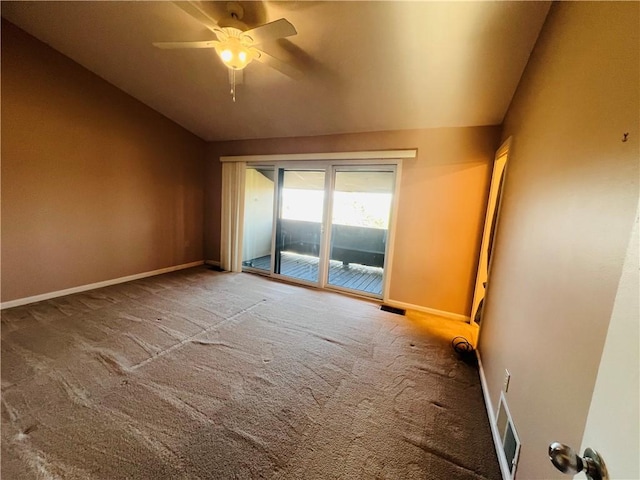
x=388 y=308
x=508 y=436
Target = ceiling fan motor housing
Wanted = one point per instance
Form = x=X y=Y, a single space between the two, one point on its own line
x=236 y=12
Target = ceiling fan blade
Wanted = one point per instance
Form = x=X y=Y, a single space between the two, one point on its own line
x=239 y=77
x=197 y=12
x=205 y=44
x=279 y=65
x=269 y=31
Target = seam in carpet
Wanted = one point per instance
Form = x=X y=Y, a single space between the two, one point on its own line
x=194 y=336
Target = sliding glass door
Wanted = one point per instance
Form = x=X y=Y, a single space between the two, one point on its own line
x=326 y=225
x=258 y=218
x=361 y=209
x=299 y=225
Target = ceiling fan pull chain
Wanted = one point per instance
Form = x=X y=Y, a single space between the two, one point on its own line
x=233 y=85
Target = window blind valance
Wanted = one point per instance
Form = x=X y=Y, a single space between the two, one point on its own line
x=361 y=155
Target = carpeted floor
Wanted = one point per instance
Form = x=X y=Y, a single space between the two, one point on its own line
x=201 y=374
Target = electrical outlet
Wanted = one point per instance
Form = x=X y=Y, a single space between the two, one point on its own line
x=505 y=383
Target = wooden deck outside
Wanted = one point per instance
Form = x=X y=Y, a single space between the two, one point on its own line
x=305 y=267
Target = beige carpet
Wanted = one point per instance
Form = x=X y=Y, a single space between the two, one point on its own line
x=201 y=374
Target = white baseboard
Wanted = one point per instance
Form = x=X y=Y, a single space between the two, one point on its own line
x=433 y=311
x=505 y=469
x=83 y=288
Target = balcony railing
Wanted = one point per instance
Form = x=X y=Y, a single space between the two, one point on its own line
x=349 y=244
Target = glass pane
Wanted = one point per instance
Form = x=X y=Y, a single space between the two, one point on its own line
x=359 y=228
x=258 y=218
x=299 y=224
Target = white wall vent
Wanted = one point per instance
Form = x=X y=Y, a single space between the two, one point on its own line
x=508 y=437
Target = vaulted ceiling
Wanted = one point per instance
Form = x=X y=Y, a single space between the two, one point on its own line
x=366 y=65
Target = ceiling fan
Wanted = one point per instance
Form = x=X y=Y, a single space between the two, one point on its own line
x=236 y=44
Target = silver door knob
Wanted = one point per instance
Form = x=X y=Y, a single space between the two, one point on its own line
x=565 y=459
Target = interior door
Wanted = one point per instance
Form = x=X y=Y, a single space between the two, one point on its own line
x=488 y=236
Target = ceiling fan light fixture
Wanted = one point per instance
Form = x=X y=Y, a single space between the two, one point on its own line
x=234 y=54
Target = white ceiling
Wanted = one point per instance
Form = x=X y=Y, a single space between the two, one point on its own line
x=367 y=65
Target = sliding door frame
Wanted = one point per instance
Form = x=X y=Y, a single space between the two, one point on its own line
x=278 y=179
x=388 y=254
x=330 y=162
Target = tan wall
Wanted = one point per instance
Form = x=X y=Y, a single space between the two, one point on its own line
x=616 y=431
x=95 y=185
x=441 y=210
x=568 y=208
